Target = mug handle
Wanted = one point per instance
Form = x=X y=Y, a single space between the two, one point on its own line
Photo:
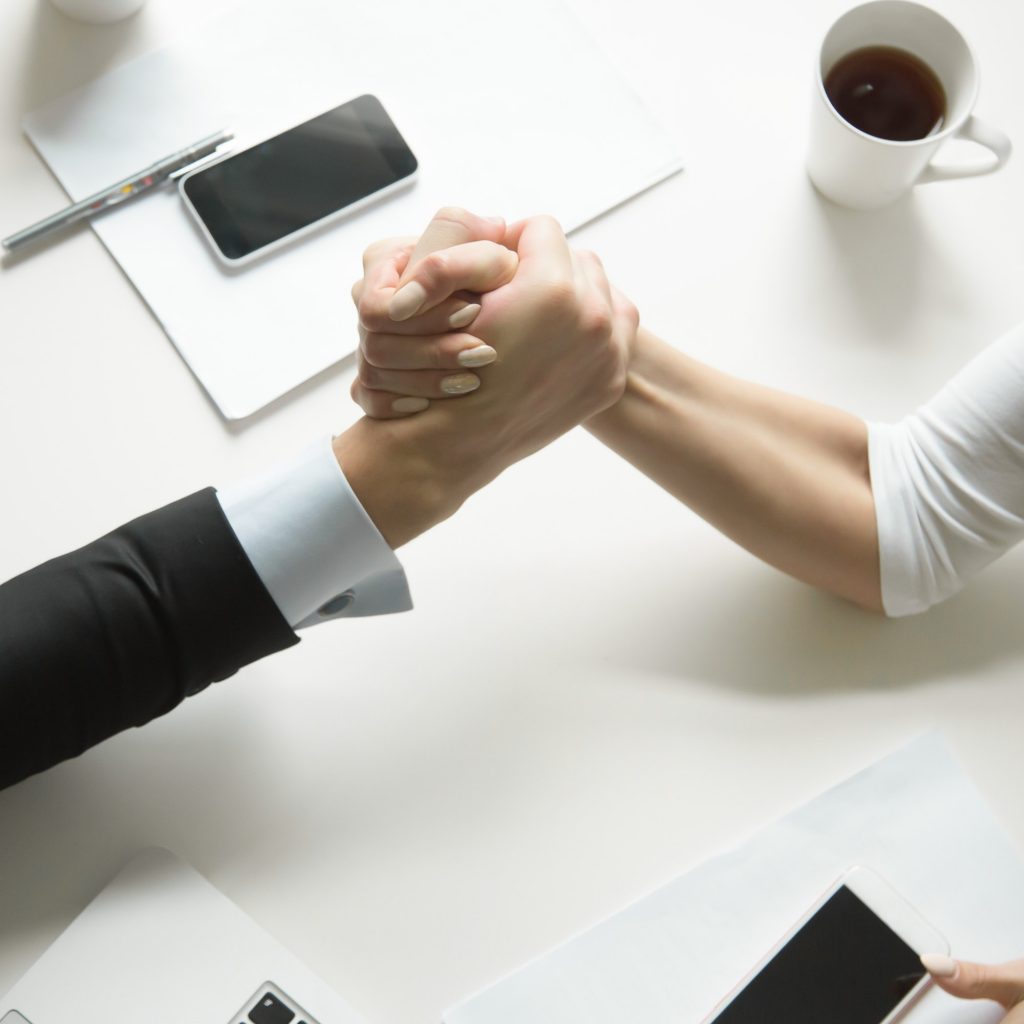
x=974 y=130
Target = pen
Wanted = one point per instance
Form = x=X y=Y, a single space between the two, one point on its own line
x=142 y=181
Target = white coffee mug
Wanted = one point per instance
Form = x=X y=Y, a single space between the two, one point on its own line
x=856 y=169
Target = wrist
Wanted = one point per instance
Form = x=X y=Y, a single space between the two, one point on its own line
x=410 y=474
x=645 y=378
x=647 y=363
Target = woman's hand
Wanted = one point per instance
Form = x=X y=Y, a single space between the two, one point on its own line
x=1002 y=983
x=413 y=346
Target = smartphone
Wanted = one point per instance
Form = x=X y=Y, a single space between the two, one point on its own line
x=853 y=958
x=252 y=202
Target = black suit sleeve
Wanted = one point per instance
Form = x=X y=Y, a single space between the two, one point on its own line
x=124 y=629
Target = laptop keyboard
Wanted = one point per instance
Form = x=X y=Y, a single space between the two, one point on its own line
x=269 y=1005
x=270 y=1010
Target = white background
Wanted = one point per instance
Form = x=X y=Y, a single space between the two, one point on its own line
x=596 y=691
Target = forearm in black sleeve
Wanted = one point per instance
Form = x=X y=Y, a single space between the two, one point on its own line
x=124 y=629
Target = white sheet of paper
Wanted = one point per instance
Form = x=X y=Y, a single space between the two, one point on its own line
x=914 y=817
x=532 y=120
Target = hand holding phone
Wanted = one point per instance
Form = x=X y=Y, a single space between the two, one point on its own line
x=853 y=958
x=1002 y=983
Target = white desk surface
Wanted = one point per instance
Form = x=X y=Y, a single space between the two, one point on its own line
x=596 y=690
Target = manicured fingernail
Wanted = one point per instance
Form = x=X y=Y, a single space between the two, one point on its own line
x=409 y=404
x=407 y=301
x=465 y=316
x=939 y=965
x=460 y=383
x=481 y=355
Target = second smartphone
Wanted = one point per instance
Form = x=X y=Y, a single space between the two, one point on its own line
x=854 y=958
x=254 y=201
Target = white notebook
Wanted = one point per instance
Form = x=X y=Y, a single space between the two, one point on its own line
x=529 y=119
x=914 y=817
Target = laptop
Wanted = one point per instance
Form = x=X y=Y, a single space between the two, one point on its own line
x=161 y=945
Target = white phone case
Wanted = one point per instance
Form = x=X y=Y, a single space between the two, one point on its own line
x=889 y=906
x=345 y=211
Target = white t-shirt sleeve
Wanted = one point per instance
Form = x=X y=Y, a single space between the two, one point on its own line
x=312 y=543
x=948 y=480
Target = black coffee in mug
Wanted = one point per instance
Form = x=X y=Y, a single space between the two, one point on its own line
x=887 y=92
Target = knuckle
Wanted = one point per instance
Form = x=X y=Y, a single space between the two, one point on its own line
x=374 y=251
x=506 y=260
x=372 y=350
x=454 y=215
x=363 y=310
x=981 y=978
x=548 y=220
x=558 y=299
x=368 y=375
x=596 y=322
x=356 y=291
x=372 y=314
x=384 y=246
x=435 y=266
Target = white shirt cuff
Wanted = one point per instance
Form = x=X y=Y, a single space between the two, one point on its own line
x=312 y=544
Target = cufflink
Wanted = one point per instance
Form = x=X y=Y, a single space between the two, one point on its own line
x=336 y=605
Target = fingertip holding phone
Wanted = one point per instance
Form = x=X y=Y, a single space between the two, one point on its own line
x=255 y=201
x=853 y=958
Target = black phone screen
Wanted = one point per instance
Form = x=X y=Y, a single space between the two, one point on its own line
x=844 y=966
x=300 y=176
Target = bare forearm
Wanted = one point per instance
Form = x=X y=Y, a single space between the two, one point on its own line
x=784 y=477
x=396 y=484
x=411 y=474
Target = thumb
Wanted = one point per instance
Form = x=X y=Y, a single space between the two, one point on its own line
x=1003 y=983
x=453 y=226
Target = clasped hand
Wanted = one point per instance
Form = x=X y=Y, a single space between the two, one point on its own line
x=470 y=292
